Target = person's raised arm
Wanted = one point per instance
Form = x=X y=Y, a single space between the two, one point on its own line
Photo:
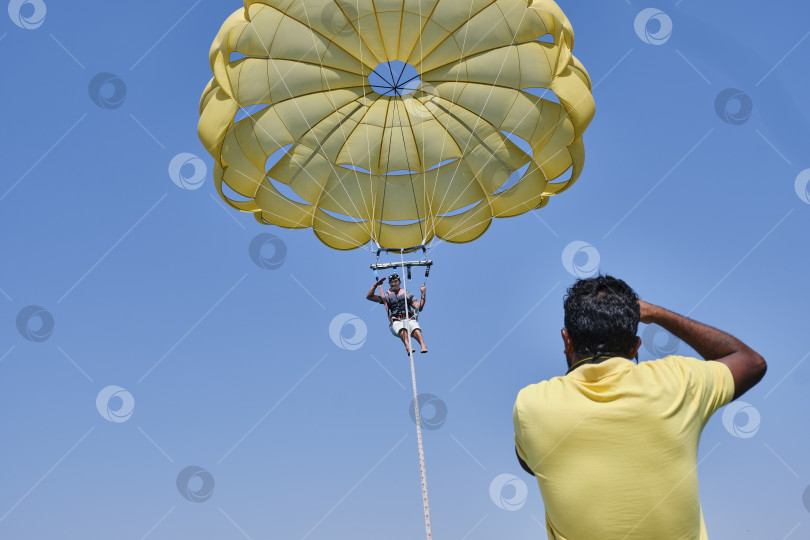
x=746 y=365
x=370 y=294
x=421 y=304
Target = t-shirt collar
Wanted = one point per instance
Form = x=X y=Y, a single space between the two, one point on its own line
x=593 y=372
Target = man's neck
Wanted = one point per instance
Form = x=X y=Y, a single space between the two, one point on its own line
x=575 y=359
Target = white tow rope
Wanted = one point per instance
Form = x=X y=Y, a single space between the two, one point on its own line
x=428 y=533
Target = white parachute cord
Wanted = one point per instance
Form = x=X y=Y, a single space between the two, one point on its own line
x=428 y=533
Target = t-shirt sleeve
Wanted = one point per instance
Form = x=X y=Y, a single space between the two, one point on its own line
x=518 y=434
x=711 y=382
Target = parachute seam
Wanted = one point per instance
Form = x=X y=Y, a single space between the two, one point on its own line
x=359 y=35
x=262 y=185
x=451 y=33
x=500 y=70
x=331 y=40
x=297 y=106
x=421 y=156
x=258 y=215
x=340 y=124
x=296 y=61
x=422 y=59
x=503 y=141
x=516 y=205
x=481 y=143
x=423 y=26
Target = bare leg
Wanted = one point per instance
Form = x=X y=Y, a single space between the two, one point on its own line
x=403 y=335
x=417 y=333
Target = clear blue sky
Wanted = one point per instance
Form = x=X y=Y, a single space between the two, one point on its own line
x=230 y=366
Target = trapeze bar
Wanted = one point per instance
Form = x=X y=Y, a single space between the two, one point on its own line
x=385 y=266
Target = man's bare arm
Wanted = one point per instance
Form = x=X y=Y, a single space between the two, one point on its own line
x=746 y=365
x=370 y=294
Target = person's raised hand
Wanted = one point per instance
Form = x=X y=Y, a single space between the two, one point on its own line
x=380 y=281
x=646 y=311
x=422 y=288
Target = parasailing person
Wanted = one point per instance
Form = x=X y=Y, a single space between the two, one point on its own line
x=402 y=320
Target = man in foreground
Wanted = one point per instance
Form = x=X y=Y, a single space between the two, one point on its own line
x=613 y=443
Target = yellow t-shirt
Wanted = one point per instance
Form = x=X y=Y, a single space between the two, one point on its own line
x=614 y=446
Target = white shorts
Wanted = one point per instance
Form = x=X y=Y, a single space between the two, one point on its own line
x=396 y=326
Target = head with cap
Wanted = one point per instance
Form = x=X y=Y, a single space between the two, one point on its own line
x=393 y=282
x=601 y=319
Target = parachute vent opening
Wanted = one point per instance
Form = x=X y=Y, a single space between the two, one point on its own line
x=236 y=56
x=548 y=38
x=543 y=93
x=399 y=173
x=288 y=192
x=249 y=111
x=520 y=142
x=461 y=210
x=276 y=156
x=514 y=178
x=394 y=78
x=443 y=163
x=232 y=195
x=342 y=217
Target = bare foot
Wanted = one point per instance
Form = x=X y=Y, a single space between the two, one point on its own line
x=424 y=350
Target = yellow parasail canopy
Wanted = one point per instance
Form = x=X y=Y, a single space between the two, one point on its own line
x=394 y=121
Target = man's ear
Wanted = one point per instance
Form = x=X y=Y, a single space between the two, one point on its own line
x=569 y=347
x=634 y=352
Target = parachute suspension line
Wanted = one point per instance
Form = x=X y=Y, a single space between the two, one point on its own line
x=382 y=293
x=410 y=176
x=428 y=533
x=385 y=180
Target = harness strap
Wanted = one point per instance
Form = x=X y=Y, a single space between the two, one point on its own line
x=385 y=303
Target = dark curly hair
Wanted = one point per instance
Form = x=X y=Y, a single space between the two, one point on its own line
x=602 y=316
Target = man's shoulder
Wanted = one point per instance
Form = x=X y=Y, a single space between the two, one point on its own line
x=672 y=363
x=536 y=390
